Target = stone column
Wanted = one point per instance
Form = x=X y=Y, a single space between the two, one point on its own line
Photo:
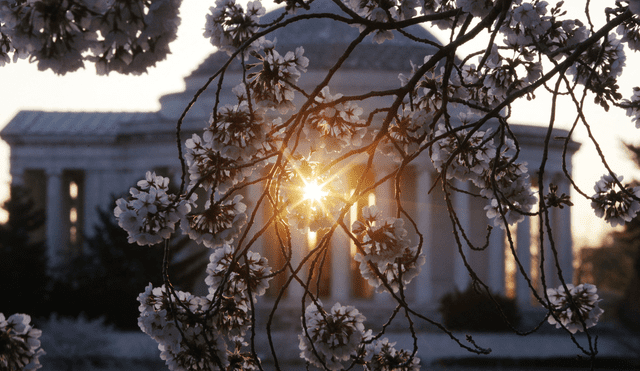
x=462 y=206
x=424 y=284
x=56 y=235
x=385 y=201
x=298 y=247
x=93 y=199
x=561 y=223
x=340 y=266
x=523 y=249
x=496 y=261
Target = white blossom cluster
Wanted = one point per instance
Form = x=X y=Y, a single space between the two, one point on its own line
x=208 y=168
x=375 y=11
x=337 y=125
x=121 y=36
x=237 y=277
x=337 y=337
x=633 y=106
x=184 y=343
x=406 y=133
x=193 y=332
x=630 y=30
x=599 y=68
x=330 y=338
x=19 y=343
x=272 y=85
x=220 y=222
x=387 y=251
x=229 y=26
x=571 y=309
x=471 y=156
x=501 y=179
x=238 y=136
x=150 y=214
x=237 y=133
x=479 y=8
x=383 y=356
x=617 y=206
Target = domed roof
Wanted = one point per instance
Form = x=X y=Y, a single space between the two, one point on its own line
x=325 y=39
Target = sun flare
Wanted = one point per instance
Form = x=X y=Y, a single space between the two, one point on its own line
x=313 y=191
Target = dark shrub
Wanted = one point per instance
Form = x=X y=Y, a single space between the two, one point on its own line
x=23 y=261
x=106 y=277
x=472 y=311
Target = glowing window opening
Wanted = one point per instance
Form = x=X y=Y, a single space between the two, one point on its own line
x=73 y=190
x=73 y=235
x=73 y=215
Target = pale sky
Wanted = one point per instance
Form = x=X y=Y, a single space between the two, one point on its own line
x=26 y=88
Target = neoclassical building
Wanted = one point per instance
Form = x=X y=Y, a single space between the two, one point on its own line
x=74 y=162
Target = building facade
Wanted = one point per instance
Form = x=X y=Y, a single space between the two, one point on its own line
x=74 y=162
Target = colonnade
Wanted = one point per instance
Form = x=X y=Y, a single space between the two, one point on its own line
x=443 y=272
x=426 y=289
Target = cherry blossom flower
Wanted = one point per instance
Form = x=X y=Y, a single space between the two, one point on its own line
x=439 y=6
x=477 y=8
x=272 y=85
x=149 y=215
x=428 y=92
x=386 y=249
x=477 y=160
x=599 y=67
x=407 y=9
x=220 y=222
x=615 y=205
x=529 y=17
x=236 y=133
x=184 y=344
x=20 y=348
x=239 y=360
x=399 y=272
x=473 y=156
x=228 y=25
x=384 y=357
x=122 y=36
x=134 y=35
x=231 y=317
x=56 y=35
x=512 y=192
x=237 y=275
x=633 y=106
x=377 y=11
x=406 y=133
x=571 y=315
x=335 y=126
x=630 y=32
x=383 y=240
x=332 y=337
x=209 y=169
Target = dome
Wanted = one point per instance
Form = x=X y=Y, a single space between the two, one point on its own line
x=324 y=40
